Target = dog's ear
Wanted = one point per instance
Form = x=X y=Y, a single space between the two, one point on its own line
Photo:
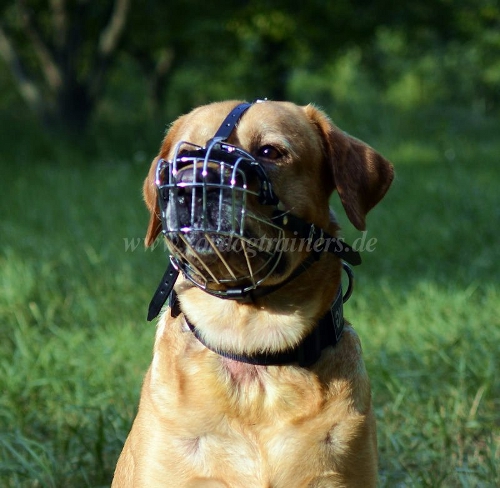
x=360 y=175
x=151 y=200
x=149 y=188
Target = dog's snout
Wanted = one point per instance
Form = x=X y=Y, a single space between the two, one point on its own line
x=211 y=176
x=193 y=175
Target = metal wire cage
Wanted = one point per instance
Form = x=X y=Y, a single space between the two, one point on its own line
x=206 y=196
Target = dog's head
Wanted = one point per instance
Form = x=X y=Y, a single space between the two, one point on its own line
x=294 y=150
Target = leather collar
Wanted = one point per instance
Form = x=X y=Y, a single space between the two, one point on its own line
x=327 y=333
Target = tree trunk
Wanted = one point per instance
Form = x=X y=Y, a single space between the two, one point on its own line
x=71 y=67
x=75 y=107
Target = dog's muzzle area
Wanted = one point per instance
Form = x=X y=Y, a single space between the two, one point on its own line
x=216 y=206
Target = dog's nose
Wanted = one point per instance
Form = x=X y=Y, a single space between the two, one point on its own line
x=206 y=175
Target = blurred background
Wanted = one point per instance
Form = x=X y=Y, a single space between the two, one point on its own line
x=79 y=66
x=87 y=90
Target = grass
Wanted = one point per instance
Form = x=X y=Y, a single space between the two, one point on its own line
x=74 y=342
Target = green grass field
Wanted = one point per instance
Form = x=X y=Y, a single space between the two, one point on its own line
x=74 y=342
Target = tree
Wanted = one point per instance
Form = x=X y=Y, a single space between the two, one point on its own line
x=59 y=56
x=61 y=52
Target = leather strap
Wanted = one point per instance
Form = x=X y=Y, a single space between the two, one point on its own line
x=319 y=239
x=230 y=121
x=162 y=292
x=327 y=333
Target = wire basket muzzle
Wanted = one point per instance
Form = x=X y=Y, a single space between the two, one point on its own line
x=216 y=206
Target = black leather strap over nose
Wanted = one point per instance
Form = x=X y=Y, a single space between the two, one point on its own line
x=230 y=121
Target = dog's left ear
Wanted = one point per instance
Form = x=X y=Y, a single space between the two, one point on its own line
x=360 y=175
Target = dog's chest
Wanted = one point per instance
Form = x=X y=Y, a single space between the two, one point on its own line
x=264 y=423
x=242 y=374
x=257 y=457
x=251 y=426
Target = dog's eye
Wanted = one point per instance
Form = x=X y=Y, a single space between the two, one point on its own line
x=269 y=152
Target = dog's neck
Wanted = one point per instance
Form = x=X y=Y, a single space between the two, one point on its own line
x=327 y=333
x=276 y=333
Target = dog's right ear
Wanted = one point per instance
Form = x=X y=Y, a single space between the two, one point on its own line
x=151 y=199
x=149 y=189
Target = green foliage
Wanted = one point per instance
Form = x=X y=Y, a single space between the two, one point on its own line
x=183 y=54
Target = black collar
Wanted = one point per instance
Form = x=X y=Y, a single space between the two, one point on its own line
x=327 y=333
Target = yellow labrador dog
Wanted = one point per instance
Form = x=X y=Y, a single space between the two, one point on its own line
x=256 y=380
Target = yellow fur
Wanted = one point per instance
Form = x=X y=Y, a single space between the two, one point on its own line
x=207 y=421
